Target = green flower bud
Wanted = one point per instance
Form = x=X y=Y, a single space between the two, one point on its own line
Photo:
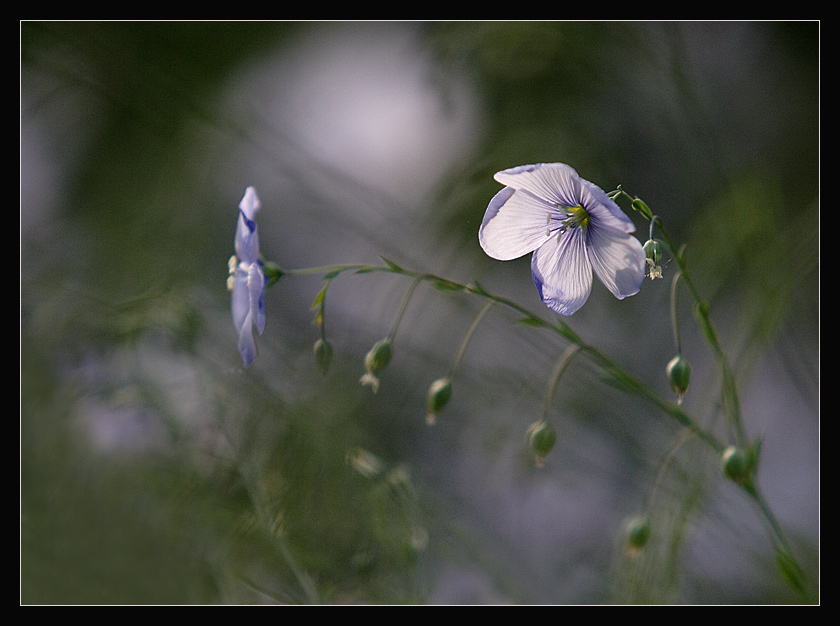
x=653 y=255
x=378 y=356
x=679 y=374
x=636 y=533
x=736 y=464
x=642 y=208
x=376 y=360
x=653 y=251
x=436 y=398
x=541 y=437
x=323 y=355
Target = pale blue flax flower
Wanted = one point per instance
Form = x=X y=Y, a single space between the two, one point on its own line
x=246 y=280
x=571 y=226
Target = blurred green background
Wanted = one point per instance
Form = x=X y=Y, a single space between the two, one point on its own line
x=155 y=469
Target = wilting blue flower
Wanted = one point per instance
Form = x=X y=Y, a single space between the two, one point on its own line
x=571 y=226
x=246 y=279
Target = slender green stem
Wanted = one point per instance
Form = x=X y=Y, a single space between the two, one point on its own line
x=614 y=371
x=729 y=392
x=551 y=389
x=790 y=567
x=326 y=270
x=664 y=464
x=675 y=322
x=465 y=338
x=403 y=307
x=729 y=388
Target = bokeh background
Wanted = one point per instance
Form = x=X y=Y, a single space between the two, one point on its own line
x=155 y=469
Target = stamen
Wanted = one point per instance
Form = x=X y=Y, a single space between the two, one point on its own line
x=578 y=216
x=232 y=263
x=566 y=218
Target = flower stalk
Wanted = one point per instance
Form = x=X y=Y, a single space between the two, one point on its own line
x=577 y=218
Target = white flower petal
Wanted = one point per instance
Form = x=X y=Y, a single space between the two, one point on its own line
x=618 y=260
x=247 y=345
x=518 y=218
x=603 y=209
x=250 y=203
x=247 y=280
x=256 y=290
x=556 y=183
x=514 y=224
x=240 y=301
x=562 y=273
x=247 y=242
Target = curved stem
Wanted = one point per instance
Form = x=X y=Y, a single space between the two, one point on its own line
x=551 y=389
x=403 y=305
x=729 y=391
x=664 y=464
x=675 y=322
x=616 y=373
x=787 y=562
x=465 y=338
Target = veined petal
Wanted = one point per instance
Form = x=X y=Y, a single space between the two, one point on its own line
x=247 y=344
x=247 y=242
x=514 y=224
x=250 y=203
x=555 y=183
x=603 y=209
x=562 y=272
x=618 y=260
x=240 y=299
x=256 y=291
x=545 y=200
x=247 y=280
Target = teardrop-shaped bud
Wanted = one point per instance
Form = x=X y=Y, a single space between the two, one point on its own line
x=323 y=355
x=653 y=251
x=679 y=374
x=436 y=398
x=376 y=360
x=541 y=437
x=636 y=533
x=379 y=356
x=735 y=464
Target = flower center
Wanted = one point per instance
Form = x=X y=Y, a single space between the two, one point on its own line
x=567 y=218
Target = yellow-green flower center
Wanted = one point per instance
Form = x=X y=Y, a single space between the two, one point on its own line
x=566 y=218
x=577 y=216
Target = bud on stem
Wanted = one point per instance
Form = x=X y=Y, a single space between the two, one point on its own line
x=436 y=398
x=653 y=251
x=636 y=534
x=376 y=360
x=736 y=464
x=541 y=437
x=323 y=355
x=653 y=255
x=639 y=205
x=679 y=374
